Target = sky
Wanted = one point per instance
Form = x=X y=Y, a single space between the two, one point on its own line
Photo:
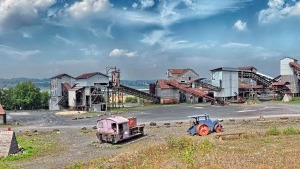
x=145 y=38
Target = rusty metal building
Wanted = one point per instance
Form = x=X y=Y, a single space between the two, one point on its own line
x=59 y=86
x=85 y=92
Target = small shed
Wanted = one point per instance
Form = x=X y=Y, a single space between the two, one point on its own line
x=3 y=114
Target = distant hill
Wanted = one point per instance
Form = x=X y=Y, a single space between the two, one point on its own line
x=45 y=83
x=41 y=83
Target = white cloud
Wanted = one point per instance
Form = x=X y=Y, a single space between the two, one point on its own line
x=154 y=37
x=143 y=4
x=277 y=10
x=26 y=35
x=65 y=40
x=240 y=25
x=147 y=3
x=235 y=45
x=15 y=53
x=85 y=8
x=91 y=51
x=122 y=53
x=16 y=13
x=135 y=5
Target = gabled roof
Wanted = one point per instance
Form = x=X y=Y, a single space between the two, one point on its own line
x=1 y=110
x=180 y=71
x=88 y=75
x=59 y=76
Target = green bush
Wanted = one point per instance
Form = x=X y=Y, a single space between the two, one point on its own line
x=273 y=131
x=131 y=100
x=291 y=131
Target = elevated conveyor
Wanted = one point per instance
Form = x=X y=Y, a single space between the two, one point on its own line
x=194 y=92
x=296 y=67
x=265 y=81
x=140 y=94
x=209 y=86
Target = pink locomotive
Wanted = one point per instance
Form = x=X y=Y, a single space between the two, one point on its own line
x=116 y=128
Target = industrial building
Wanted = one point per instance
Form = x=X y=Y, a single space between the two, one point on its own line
x=85 y=92
x=91 y=91
x=98 y=92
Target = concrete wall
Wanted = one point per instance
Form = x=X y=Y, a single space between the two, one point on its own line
x=53 y=103
x=285 y=68
x=294 y=86
x=186 y=77
x=228 y=81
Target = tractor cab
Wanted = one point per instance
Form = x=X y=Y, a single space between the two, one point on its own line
x=203 y=125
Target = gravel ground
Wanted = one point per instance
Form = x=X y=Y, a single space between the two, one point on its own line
x=81 y=145
x=77 y=141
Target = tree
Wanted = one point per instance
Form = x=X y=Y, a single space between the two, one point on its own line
x=26 y=96
x=44 y=100
x=6 y=98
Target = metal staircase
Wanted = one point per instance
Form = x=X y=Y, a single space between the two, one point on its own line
x=194 y=92
x=139 y=94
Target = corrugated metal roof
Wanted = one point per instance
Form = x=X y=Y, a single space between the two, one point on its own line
x=248 y=86
x=249 y=68
x=88 y=75
x=180 y=71
x=60 y=76
x=1 y=110
x=231 y=69
x=162 y=84
x=295 y=64
x=66 y=85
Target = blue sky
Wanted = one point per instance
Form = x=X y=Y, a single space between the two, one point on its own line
x=144 y=38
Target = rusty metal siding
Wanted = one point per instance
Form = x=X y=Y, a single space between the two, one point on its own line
x=167 y=93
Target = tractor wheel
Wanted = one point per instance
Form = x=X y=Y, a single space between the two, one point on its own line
x=218 y=128
x=202 y=129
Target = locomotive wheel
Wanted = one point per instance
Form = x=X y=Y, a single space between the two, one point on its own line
x=218 y=128
x=202 y=129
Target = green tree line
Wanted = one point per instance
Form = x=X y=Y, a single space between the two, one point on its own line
x=25 y=95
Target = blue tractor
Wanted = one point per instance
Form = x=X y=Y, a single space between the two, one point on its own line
x=204 y=126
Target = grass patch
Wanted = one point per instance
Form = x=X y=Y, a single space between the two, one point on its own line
x=32 y=146
x=273 y=131
x=291 y=131
x=295 y=100
x=274 y=150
